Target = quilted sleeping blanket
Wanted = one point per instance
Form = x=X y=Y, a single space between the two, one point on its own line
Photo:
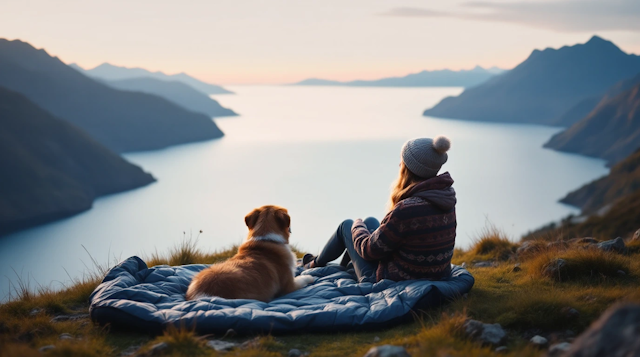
x=150 y=299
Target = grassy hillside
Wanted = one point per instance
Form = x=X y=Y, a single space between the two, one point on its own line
x=620 y=220
x=51 y=169
x=502 y=294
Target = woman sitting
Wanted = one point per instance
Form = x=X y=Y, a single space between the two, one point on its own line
x=415 y=240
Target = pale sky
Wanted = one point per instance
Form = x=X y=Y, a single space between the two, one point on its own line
x=283 y=41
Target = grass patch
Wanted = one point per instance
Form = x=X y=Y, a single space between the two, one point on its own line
x=491 y=245
x=583 y=264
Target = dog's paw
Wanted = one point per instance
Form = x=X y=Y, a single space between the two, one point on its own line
x=304 y=280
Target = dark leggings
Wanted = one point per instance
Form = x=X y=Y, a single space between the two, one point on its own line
x=340 y=241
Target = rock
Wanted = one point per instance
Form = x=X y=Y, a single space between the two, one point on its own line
x=554 y=267
x=615 y=333
x=636 y=235
x=294 y=352
x=387 y=351
x=485 y=264
x=621 y=273
x=252 y=343
x=464 y=265
x=46 y=348
x=539 y=341
x=376 y=339
x=221 y=346
x=157 y=349
x=491 y=334
x=29 y=336
x=559 y=349
x=585 y=240
x=516 y=268
x=65 y=336
x=75 y=317
x=524 y=248
x=502 y=349
x=35 y=311
x=614 y=245
x=570 y=312
x=130 y=351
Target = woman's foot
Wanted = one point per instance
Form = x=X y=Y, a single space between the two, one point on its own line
x=308 y=261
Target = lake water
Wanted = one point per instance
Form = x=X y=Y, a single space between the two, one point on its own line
x=326 y=154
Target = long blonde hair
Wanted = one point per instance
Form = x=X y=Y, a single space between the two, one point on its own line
x=404 y=183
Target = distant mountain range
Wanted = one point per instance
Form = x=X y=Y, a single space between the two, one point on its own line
x=173 y=91
x=611 y=131
x=121 y=120
x=114 y=73
x=439 y=78
x=545 y=87
x=51 y=169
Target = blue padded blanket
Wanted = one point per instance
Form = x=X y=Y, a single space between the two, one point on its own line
x=150 y=299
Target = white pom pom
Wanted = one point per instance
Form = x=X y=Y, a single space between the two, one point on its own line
x=441 y=144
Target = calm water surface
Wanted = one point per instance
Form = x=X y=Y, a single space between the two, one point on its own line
x=325 y=153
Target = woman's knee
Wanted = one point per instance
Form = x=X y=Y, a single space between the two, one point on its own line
x=347 y=223
x=372 y=223
x=344 y=229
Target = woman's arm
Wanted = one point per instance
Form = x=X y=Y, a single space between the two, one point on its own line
x=379 y=244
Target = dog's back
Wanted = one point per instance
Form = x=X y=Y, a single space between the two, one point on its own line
x=261 y=270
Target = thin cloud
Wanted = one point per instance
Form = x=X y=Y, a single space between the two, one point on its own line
x=564 y=16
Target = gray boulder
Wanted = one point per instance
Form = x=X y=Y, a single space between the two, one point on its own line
x=46 y=348
x=294 y=352
x=157 y=349
x=539 y=341
x=387 y=351
x=614 y=245
x=554 y=267
x=490 y=334
x=526 y=248
x=502 y=349
x=65 y=336
x=484 y=264
x=221 y=346
x=585 y=240
x=614 y=334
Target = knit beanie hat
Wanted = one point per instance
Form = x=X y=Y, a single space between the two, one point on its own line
x=425 y=156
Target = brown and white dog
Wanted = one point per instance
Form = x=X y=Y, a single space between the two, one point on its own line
x=264 y=266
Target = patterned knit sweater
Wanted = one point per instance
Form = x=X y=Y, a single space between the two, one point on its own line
x=416 y=238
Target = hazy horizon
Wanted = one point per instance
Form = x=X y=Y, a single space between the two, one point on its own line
x=253 y=42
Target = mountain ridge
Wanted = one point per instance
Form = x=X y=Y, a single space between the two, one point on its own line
x=111 y=72
x=122 y=121
x=436 y=78
x=611 y=131
x=175 y=92
x=544 y=86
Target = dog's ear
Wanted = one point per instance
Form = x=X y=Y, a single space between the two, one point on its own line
x=283 y=219
x=252 y=218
